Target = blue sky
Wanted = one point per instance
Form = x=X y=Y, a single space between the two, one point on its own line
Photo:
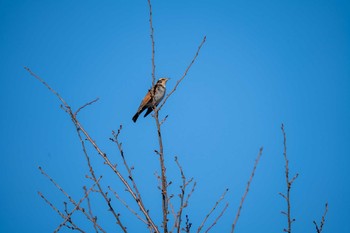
x=264 y=63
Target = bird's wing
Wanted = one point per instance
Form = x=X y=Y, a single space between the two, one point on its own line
x=145 y=100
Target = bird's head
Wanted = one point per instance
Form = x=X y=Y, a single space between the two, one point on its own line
x=163 y=81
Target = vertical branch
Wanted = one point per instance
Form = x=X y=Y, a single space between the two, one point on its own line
x=165 y=200
x=152 y=40
x=164 y=188
x=183 y=201
x=246 y=191
x=100 y=190
x=320 y=228
x=289 y=183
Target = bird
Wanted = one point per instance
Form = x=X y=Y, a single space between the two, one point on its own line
x=147 y=102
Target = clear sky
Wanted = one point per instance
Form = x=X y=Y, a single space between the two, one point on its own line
x=264 y=63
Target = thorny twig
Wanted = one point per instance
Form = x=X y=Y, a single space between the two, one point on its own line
x=246 y=190
x=289 y=183
x=320 y=228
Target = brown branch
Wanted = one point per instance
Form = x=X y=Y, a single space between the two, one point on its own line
x=152 y=40
x=184 y=75
x=73 y=227
x=164 y=191
x=246 y=190
x=320 y=228
x=100 y=190
x=85 y=105
x=121 y=152
x=183 y=201
x=77 y=207
x=90 y=210
x=48 y=87
x=99 y=151
x=217 y=219
x=128 y=207
x=289 y=183
x=212 y=210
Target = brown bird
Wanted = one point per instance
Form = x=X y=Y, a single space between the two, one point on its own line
x=147 y=102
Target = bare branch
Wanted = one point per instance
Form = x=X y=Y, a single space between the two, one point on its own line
x=152 y=40
x=120 y=148
x=77 y=207
x=211 y=211
x=128 y=207
x=289 y=183
x=246 y=190
x=85 y=105
x=320 y=228
x=183 y=201
x=100 y=190
x=74 y=227
x=184 y=75
x=217 y=219
x=79 y=126
x=48 y=87
x=90 y=209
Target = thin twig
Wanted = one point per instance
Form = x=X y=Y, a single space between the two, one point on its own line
x=77 y=207
x=183 y=202
x=120 y=148
x=85 y=105
x=323 y=220
x=79 y=126
x=217 y=219
x=47 y=85
x=246 y=191
x=90 y=210
x=212 y=210
x=128 y=207
x=152 y=40
x=74 y=227
x=100 y=190
x=185 y=73
x=289 y=183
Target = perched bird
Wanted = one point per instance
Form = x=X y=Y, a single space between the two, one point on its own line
x=147 y=103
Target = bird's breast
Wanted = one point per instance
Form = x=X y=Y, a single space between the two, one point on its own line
x=160 y=92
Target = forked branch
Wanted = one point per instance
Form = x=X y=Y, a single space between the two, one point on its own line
x=80 y=128
x=289 y=183
x=319 y=228
x=211 y=211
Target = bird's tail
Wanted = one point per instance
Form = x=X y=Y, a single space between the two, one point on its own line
x=134 y=118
